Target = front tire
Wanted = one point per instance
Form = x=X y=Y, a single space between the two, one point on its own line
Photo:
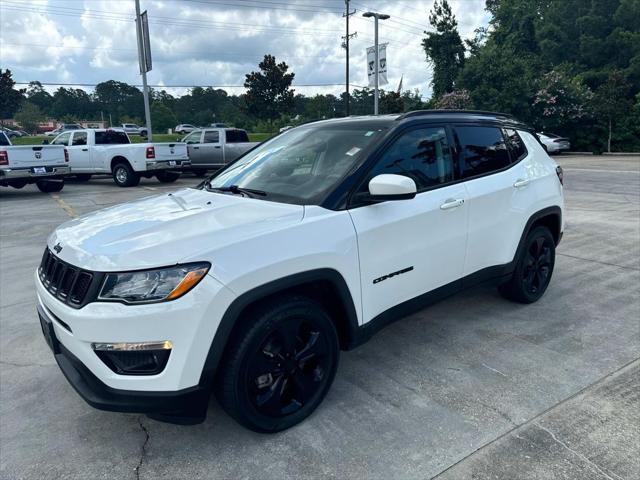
x=124 y=176
x=167 y=177
x=280 y=367
x=533 y=268
x=50 y=186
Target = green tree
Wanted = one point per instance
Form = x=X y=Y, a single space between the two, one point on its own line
x=162 y=118
x=39 y=97
x=10 y=98
x=561 y=100
x=611 y=102
x=29 y=116
x=269 y=94
x=444 y=48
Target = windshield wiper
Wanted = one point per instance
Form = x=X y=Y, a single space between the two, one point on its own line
x=238 y=190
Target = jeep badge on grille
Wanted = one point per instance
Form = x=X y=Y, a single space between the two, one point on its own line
x=57 y=247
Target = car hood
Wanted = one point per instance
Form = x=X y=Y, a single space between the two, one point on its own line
x=187 y=225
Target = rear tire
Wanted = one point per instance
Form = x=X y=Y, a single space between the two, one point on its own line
x=50 y=186
x=83 y=177
x=124 y=176
x=167 y=177
x=279 y=367
x=534 y=268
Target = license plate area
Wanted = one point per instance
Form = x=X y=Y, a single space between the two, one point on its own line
x=39 y=170
x=171 y=163
x=49 y=334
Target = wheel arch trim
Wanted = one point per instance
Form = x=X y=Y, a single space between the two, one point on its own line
x=281 y=285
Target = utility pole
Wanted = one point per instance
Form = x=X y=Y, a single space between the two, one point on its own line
x=376 y=17
x=345 y=45
x=145 y=65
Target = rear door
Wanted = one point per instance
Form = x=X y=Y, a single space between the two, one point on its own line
x=236 y=144
x=79 y=154
x=494 y=185
x=211 y=151
x=410 y=247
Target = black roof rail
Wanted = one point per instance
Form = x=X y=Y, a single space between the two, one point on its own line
x=416 y=113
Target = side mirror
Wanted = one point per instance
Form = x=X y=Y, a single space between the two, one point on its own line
x=389 y=186
x=45 y=142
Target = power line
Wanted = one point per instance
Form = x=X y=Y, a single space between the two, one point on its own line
x=57 y=84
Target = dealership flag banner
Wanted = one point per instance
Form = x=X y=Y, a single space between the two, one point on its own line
x=382 y=67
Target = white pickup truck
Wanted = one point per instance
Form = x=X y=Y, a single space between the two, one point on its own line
x=100 y=151
x=44 y=165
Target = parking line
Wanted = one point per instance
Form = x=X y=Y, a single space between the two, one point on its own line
x=64 y=205
x=150 y=189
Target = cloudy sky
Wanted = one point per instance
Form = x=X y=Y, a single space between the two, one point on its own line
x=216 y=42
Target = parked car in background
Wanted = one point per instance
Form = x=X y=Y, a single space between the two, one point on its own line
x=554 y=143
x=133 y=129
x=65 y=127
x=250 y=284
x=184 y=128
x=44 y=165
x=212 y=148
x=10 y=133
x=285 y=128
x=110 y=151
x=218 y=125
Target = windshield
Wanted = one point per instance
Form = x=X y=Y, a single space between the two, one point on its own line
x=301 y=165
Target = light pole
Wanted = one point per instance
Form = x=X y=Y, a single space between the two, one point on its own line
x=376 y=17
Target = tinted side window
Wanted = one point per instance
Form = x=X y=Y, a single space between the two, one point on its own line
x=422 y=154
x=4 y=141
x=211 y=137
x=62 y=139
x=515 y=145
x=482 y=150
x=79 y=138
x=236 y=136
x=111 y=137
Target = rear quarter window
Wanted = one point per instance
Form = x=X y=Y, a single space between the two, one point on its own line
x=482 y=150
x=236 y=136
x=4 y=141
x=111 y=137
x=515 y=145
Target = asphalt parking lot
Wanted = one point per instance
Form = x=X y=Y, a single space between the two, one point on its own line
x=473 y=387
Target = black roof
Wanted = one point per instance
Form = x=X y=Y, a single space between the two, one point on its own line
x=388 y=120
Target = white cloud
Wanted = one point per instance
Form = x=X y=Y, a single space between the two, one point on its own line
x=195 y=42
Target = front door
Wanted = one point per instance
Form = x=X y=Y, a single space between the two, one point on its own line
x=410 y=247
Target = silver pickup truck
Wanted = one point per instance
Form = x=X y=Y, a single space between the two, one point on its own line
x=44 y=165
x=212 y=148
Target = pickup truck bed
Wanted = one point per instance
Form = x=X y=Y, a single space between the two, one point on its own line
x=44 y=165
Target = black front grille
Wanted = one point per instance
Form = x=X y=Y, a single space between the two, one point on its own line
x=68 y=283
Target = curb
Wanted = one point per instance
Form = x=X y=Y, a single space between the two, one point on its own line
x=622 y=154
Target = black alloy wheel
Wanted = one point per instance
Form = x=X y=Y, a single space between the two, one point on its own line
x=533 y=269
x=537 y=265
x=288 y=369
x=279 y=368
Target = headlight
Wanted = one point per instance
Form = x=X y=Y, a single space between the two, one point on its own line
x=158 y=285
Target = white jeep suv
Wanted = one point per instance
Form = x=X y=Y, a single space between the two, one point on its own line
x=251 y=283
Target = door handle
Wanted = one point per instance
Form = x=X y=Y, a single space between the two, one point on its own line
x=196 y=148
x=450 y=203
x=85 y=149
x=217 y=146
x=520 y=183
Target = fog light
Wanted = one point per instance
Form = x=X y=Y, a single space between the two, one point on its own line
x=148 y=358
